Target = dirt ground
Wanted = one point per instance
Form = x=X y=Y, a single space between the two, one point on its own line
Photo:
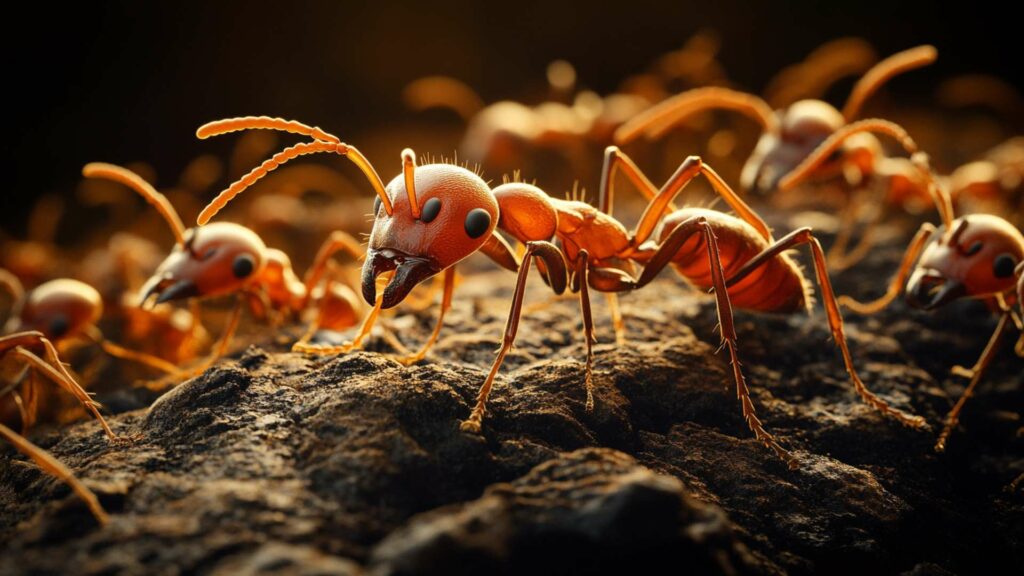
x=272 y=462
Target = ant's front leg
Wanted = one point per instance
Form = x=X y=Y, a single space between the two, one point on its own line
x=557 y=275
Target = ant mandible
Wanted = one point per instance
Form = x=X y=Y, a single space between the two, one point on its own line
x=431 y=217
x=229 y=259
x=978 y=256
x=789 y=135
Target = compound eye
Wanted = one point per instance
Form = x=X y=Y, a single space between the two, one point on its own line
x=376 y=205
x=1004 y=265
x=58 y=326
x=243 y=265
x=431 y=208
x=477 y=222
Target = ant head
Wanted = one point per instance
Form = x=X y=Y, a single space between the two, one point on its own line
x=801 y=128
x=977 y=259
x=216 y=259
x=440 y=214
x=60 y=309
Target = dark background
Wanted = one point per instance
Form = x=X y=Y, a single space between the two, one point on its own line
x=125 y=82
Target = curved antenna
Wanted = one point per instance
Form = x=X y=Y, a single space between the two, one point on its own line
x=12 y=285
x=658 y=120
x=941 y=198
x=884 y=71
x=227 y=125
x=145 y=189
x=823 y=67
x=442 y=92
x=409 y=172
x=275 y=161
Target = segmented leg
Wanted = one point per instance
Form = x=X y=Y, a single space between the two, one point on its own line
x=975 y=374
x=94 y=334
x=303 y=346
x=55 y=468
x=898 y=281
x=338 y=241
x=616 y=280
x=53 y=369
x=446 y=303
x=224 y=343
x=580 y=283
x=835 y=318
x=552 y=256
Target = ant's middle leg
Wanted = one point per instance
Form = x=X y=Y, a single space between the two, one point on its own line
x=835 y=318
x=612 y=279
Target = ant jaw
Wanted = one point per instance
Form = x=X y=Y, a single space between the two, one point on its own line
x=166 y=290
x=408 y=272
x=928 y=289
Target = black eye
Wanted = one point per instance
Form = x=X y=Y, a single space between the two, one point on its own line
x=477 y=222
x=243 y=265
x=376 y=205
x=974 y=249
x=430 y=210
x=1003 y=265
x=58 y=327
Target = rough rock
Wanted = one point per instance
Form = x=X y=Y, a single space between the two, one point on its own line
x=272 y=462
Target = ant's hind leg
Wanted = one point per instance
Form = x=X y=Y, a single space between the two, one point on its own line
x=835 y=318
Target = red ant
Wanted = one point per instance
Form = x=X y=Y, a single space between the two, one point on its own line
x=57 y=314
x=789 y=135
x=979 y=256
x=225 y=258
x=431 y=217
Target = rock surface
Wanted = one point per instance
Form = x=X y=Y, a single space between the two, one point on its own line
x=277 y=463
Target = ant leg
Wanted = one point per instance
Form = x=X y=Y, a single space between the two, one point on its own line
x=337 y=241
x=224 y=342
x=616 y=280
x=53 y=369
x=117 y=351
x=55 y=468
x=898 y=281
x=659 y=119
x=28 y=401
x=555 y=262
x=882 y=72
x=835 y=318
x=580 y=282
x=617 y=322
x=976 y=372
x=303 y=346
x=687 y=171
x=446 y=303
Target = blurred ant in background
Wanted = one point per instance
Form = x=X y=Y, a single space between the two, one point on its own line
x=977 y=256
x=228 y=259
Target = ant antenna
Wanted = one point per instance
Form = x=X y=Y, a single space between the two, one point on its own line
x=884 y=71
x=145 y=189
x=658 y=120
x=409 y=172
x=323 y=142
x=218 y=127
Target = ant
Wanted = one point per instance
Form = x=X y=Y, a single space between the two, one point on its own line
x=790 y=134
x=429 y=218
x=978 y=256
x=57 y=314
x=229 y=259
